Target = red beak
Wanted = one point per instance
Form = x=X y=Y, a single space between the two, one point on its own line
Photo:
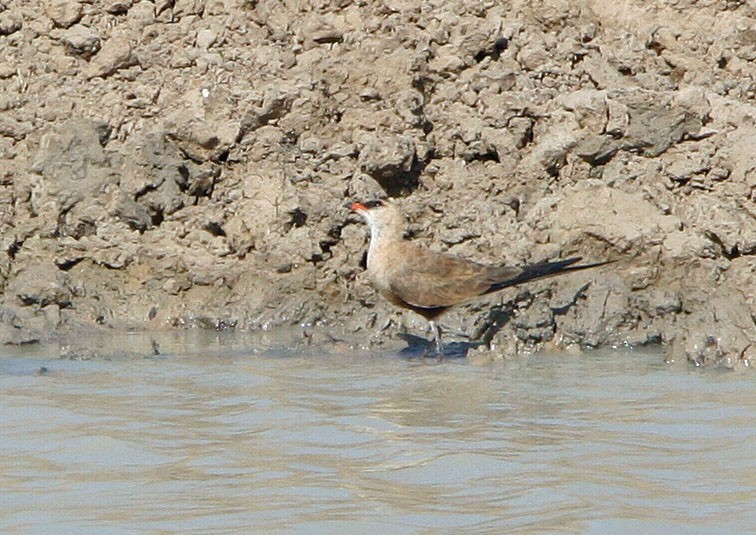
x=355 y=206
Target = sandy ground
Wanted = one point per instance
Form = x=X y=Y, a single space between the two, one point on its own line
x=183 y=164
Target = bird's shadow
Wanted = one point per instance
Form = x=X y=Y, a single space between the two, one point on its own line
x=417 y=347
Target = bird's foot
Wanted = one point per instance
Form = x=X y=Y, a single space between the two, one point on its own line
x=432 y=348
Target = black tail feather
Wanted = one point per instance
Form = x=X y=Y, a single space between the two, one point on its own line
x=545 y=269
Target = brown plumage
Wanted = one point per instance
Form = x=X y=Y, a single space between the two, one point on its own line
x=429 y=282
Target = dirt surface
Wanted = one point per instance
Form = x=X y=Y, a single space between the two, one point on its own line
x=183 y=163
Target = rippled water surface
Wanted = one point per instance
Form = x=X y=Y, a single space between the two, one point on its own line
x=233 y=439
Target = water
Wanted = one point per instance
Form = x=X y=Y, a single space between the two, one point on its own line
x=232 y=440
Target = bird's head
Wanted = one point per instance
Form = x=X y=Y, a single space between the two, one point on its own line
x=381 y=215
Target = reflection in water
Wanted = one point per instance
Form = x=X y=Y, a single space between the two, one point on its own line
x=234 y=441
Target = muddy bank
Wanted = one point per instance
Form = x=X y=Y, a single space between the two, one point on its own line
x=183 y=164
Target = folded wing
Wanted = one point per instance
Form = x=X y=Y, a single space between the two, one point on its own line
x=428 y=279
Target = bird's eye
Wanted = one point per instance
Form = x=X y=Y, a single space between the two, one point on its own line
x=374 y=204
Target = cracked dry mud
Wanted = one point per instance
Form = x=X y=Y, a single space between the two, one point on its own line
x=176 y=163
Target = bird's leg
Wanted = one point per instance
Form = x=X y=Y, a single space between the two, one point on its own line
x=425 y=352
x=437 y=339
x=427 y=346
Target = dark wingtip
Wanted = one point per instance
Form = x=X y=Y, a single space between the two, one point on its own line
x=544 y=269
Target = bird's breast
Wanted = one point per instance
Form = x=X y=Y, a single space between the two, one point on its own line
x=382 y=261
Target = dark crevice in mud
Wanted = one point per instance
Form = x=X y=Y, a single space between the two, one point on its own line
x=157 y=218
x=334 y=115
x=592 y=80
x=14 y=248
x=490 y=155
x=297 y=218
x=183 y=171
x=500 y=315
x=325 y=247
x=403 y=183
x=335 y=232
x=198 y=159
x=215 y=229
x=577 y=58
x=730 y=253
x=599 y=159
x=652 y=340
x=554 y=169
x=562 y=310
x=528 y=138
x=625 y=70
x=66 y=265
x=290 y=138
x=145 y=190
x=61 y=223
x=494 y=51
x=655 y=46
x=424 y=84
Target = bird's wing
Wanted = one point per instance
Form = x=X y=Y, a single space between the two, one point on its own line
x=429 y=279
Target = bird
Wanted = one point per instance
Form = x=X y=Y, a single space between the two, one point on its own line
x=430 y=282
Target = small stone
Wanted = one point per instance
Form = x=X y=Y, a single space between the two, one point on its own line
x=447 y=59
x=6 y=71
x=9 y=23
x=318 y=32
x=370 y=93
x=14 y=129
x=132 y=213
x=206 y=38
x=64 y=13
x=175 y=286
x=718 y=174
x=40 y=285
x=389 y=161
x=142 y=14
x=81 y=41
x=597 y=149
x=118 y=7
x=328 y=35
x=387 y=157
x=183 y=8
x=532 y=57
x=311 y=144
x=115 y=54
